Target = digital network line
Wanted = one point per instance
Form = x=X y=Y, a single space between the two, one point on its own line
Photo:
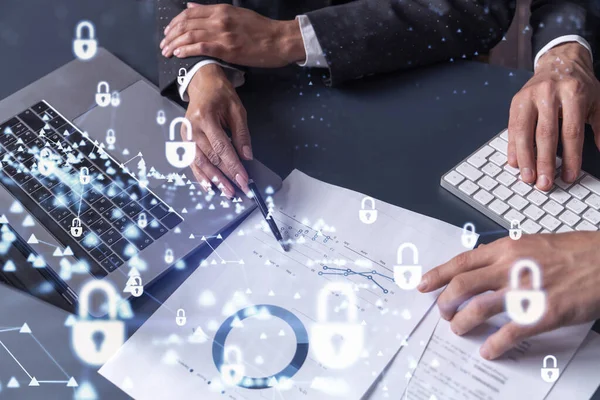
x=365 y=274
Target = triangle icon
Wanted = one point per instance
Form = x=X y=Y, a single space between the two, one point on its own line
x=72 y=383
x=71 y=320
x=34 y=382
x=192 y=236
x=219 y=236
x=67 y=251
x=28 y=221
x=3 y=219
x=32 y=239
x=9 y=266
x=25 y=328
x=13 y=383
x=58 y=252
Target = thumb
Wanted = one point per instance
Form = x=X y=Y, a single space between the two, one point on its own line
x=595 y=123
x=239 y=131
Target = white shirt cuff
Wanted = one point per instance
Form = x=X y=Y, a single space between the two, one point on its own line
x=235 y=76
x=561 y=40
x=312 y=48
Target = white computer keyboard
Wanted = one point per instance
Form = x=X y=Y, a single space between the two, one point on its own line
x=486 y=182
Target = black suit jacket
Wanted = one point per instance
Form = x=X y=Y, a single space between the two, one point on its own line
x=551 y=19
x=373 y=36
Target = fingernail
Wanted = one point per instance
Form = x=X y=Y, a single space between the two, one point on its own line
x=162 y=43
x=167 y=29
x=485 y=352
x=527 y=174
x=164 y=52
x=176 y=52
x=241 y=181
x=543 y=181
x=570 y=176
x=247 y=152
x=423 y=285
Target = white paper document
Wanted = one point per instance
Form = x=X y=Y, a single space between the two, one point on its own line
x=258 y=323
x=451 y=367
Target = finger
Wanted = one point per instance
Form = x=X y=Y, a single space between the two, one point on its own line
x=201 y=177
x=207 y=49
x=239 y=131
x=595 y=123
x=477 y=311
x=466 y=285
x=441 y=275
x=214 y=175
x=508 y=337
x=546 y=137
x=230 y=162
x=188 y=14
x=572 y=138
x=521 y=127
x=512 y=151
x=186 y=38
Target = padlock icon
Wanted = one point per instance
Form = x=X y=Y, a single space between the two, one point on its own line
x=76 y=228
x=85 y=49
x=111 y=139
x=233 y=369
x=142 y=220
x=367 y=216
x=115 y=99
x=337 y=354
x=469 y=237
x=181 y=75
x=515 y=231
x=102 y=94
x=408 y=277
x=134 y=286
x=169 y=258
x=525 y=306
x=84 y=176
x=180 y=154
x=160 y=117
x=550 y=374
x=45 y=163
x=180 y=319
x=95 y=341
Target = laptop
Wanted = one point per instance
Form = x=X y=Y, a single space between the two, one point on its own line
x=89 y=187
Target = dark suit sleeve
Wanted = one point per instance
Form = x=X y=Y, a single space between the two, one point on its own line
x=373 y=36
x=554 y=18
x=168 y=68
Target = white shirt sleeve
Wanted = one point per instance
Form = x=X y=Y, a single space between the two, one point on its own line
x=312 y=48
x=561 y=40
x=235 y=76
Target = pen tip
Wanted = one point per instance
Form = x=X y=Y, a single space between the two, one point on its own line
x=283 y=245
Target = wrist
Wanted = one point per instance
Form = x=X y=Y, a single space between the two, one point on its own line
x=290 y=42
x=565 y=53
x=210 y=74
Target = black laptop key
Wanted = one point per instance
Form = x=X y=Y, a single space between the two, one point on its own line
x=122 y=223
x=30 y=185
x=40 y=107
x=7 y=138
x=32 y=120
x=155 y=229
x=36 y=143
x=113 y=215
x=60 y=212
x=160 y=210
x=112 y=190
x=79 y=207
x=49 y=204
x=67 y=222
x=100 y=226
x=171 y=220
x=41 y=194
x=122 y=199
x=124 y=250
x=111 y=263
x=49 y=113
x=90 y=216
x=111 y=236
x=9 y=169
x=7 y=124
x=102 y=205
x=132 y=209
x=57 y=123
x=19 y=129
x=60 y=188
x=149 y=201
x=92 y=196
x=136 y=236
x=137 y=192
x=49 y=181
x=99 y=253
x=90 y=240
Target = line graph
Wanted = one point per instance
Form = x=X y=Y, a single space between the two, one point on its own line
x=365 y=274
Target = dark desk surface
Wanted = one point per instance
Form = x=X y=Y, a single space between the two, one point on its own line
x=391 y=137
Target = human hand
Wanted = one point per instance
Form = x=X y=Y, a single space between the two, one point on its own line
x=563 y=84
x=233 y=34
x=570 y=278
x=214 y=104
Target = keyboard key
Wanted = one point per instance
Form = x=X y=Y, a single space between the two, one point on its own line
x=102 y=205
x=576 y=206
x=569 y=218
x=592 y=216
x=122 y=223
x=502 y=192
x=100 y=226
x=560 y=196
x=513 y=215
x=483 y=197
x=533 y=212
x=41 y=194
x=31 y=185
x=132 y=209
x=564 y=229
x=511 y=170
x=530 y=227
x=500 y=145
x=487 y=183
x=586 y=226
x=90 y=241
x=121 y=200
x=40 y=107
x=593 y=200
x=491 y=169
x=111 y=263
x=89 y=217
x=562 y=184
x=136 y=236
x=31 y=119
x=49 y=204
x=476 y=160
x=112 y=190
x=124 y=250
x=97 y=253
x=162 y=209
x=453 y=178
x=498 y=207
x=550 y=223
x=111 y=236
x=469 y=172
x=591 y=183
x=171 y=220
x=537 y=198
x=156 y=229
x=506 y=179
x=504 y=134
x=59 y=212
x=92 y=195
x=579 y=191
x=553 y=208
x=467 y=187
x=517 y=202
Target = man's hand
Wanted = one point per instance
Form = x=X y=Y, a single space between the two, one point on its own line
x=570 y=277
x=214 y=104
x=563 y=85
x=233 y=34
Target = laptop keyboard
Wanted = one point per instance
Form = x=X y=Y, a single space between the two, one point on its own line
x=485 y=181
x=107 y=206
